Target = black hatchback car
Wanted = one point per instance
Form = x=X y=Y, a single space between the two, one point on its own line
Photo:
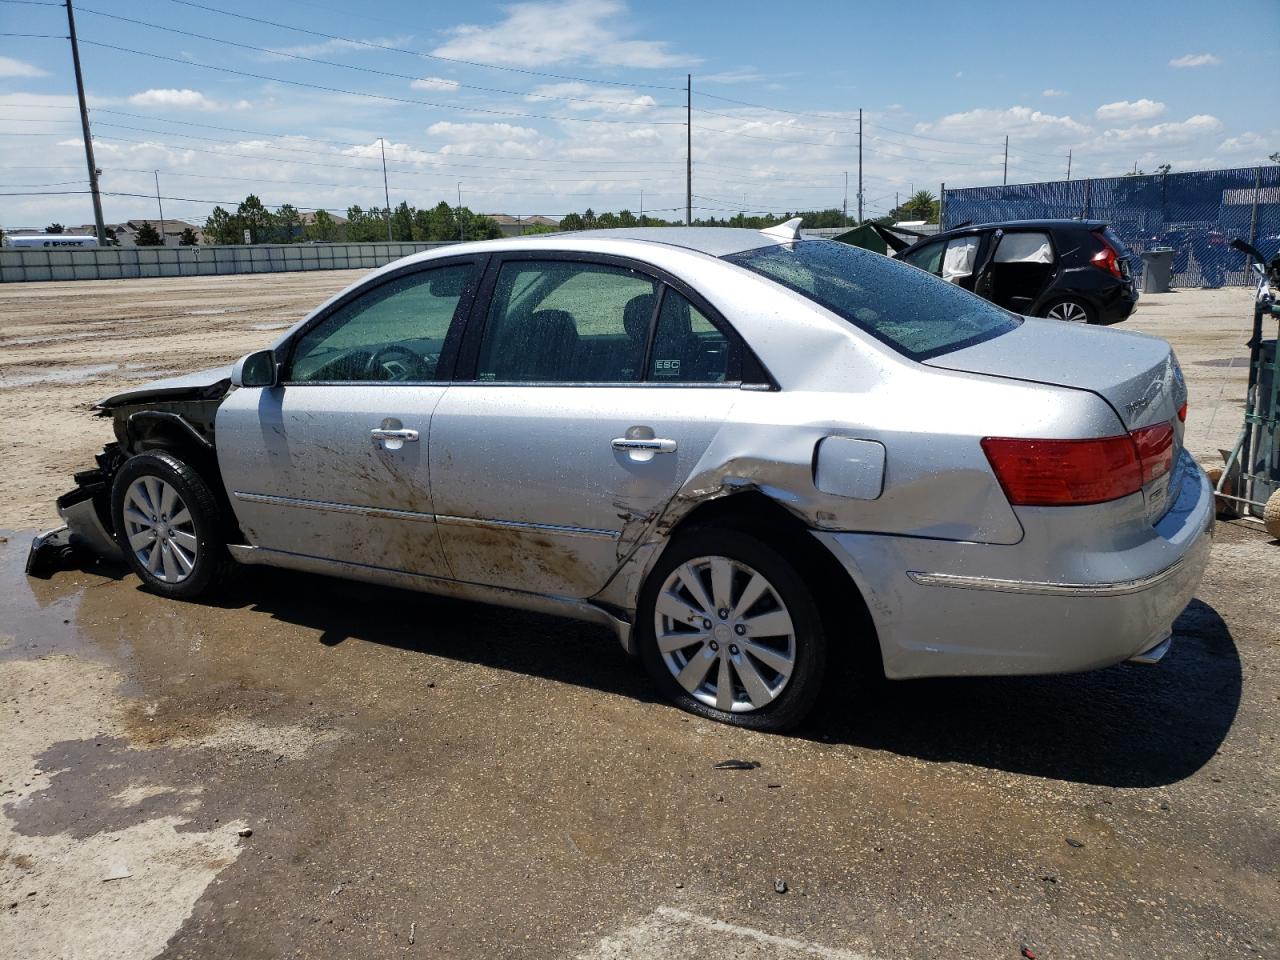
x=1075 y=270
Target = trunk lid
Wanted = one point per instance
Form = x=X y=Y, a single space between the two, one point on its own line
x=1137 y=375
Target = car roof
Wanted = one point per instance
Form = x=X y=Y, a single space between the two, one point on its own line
x=715 y=241
x=1045 y=224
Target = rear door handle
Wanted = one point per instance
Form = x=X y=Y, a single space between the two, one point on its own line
x=407 y=436
x=655 y=445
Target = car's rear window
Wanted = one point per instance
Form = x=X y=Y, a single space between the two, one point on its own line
x=912 y=311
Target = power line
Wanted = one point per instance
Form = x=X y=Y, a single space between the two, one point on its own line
x=416 y=53
x=374 y=96
x=352 y=66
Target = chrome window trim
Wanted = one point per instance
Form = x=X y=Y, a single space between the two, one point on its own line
x=389 y=514
x=1117 y=588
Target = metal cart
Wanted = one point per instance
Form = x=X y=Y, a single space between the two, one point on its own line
x=1248 y=485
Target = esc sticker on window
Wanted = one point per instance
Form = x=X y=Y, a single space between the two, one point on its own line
x=666 y=368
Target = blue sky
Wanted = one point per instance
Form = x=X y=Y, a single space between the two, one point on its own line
x=462 y=93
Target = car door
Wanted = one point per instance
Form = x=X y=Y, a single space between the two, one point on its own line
x=592 y=387
x=1020 y=265
x=333 y=461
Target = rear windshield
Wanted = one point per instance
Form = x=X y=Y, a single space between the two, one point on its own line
x=912 y=311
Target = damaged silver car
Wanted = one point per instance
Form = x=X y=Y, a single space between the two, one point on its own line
x=743 y=451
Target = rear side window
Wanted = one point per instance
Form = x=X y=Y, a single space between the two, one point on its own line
x=927 y=257
x=687 y=347
x=916 y=314
x=559 y=321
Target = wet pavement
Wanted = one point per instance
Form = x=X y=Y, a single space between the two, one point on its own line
x=318 y=769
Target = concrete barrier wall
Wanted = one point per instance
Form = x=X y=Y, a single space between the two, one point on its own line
x=115 y=263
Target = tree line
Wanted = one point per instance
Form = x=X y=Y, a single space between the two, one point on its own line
x=287 y=225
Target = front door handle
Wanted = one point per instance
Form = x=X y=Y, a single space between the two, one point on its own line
x=406 y=436
x=654 y=445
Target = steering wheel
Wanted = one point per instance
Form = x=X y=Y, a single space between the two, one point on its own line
x=394 y=362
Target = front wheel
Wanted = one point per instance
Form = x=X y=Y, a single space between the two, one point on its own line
x=167 y=523
x=1070 y=310
x=729 y=630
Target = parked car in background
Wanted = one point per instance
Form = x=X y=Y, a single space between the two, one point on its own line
x=1073 y=270
x=742 y=451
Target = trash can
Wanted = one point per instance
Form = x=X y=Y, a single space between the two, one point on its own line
x=1157 y=270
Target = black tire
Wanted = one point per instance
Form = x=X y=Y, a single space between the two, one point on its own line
x=212 y=564
x=803 y=687
x=1090 y=314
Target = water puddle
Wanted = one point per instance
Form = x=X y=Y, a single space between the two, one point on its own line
x=76 y=374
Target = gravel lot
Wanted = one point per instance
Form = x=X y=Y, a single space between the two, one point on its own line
x=317 y=769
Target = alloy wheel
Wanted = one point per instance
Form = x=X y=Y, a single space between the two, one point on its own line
x=725 y=634
x=160 y=530
x=1070 y=311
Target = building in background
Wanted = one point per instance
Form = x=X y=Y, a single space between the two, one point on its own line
x=516 y=226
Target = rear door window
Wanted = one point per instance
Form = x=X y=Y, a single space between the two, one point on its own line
x=927 y=257
x=567 y=322
x=687 y=346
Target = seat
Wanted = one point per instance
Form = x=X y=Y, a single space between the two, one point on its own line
x=540 y=349
x=637 y=315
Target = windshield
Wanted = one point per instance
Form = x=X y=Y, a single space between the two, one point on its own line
x=912 y=311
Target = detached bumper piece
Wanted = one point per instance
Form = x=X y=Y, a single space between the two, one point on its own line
x=85 y=511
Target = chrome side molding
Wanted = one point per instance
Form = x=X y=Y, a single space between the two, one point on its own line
x=1118 y=588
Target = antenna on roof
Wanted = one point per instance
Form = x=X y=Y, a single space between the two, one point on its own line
x=785 y=231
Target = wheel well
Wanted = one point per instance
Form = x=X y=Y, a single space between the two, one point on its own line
x=173 y=437
x=842 y=602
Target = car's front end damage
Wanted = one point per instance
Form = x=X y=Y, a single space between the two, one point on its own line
x=175 y=414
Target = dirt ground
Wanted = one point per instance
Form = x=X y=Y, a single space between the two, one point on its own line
x=316 y=769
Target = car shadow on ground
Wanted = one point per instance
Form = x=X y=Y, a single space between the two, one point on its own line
x=1126 y=726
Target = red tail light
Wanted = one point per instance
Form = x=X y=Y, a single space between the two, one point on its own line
x=1155 y=450
x=1050 y=473
x=1182 y=413
x=1107 y=259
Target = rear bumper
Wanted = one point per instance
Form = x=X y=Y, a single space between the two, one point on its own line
x=944 y=608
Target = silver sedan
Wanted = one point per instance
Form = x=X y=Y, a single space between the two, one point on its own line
x=743 y=451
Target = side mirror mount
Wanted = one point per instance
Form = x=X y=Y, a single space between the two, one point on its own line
x=255 y=370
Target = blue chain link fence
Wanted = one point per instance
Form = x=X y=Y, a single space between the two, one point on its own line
x=1197 y=214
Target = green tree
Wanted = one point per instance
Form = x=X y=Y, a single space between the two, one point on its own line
x=588 y=219
x=288 y=224
x=402 y=222
x=255 y=218
x=223 y=228
x=627 y=219
x=148 y=236
x=321 y=227
x=922 y=205
x=54 y=228
x=443 y=223
x=364 y=226
x=573 y=221
x=476 y=226
x=188 y=238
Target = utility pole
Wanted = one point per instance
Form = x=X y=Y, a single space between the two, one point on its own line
x=462 y=233
x=859 y=165
x=84 y=128
x=895 y=200
x=844 y=210
x=386 y=192
x=1006 y=159
x=688 y=156
x=160 y=205
x=642 y=206
x=1068 y=164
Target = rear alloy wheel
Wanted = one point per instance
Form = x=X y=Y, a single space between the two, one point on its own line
x=1070 y=311
x=730 y=631
x=168 y=525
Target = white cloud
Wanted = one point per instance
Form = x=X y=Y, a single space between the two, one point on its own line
x=558 y=31
x=586 y=97
x=986 y=123
x=481 y=131
x=1174 y=131
x=1250 y=142
x=186 y=98
x=1129 y=111
x=1195 y=60
x=742 y=75
x=1050 y=92
x=434 y=83
x=339 y=45
x=10 y=67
